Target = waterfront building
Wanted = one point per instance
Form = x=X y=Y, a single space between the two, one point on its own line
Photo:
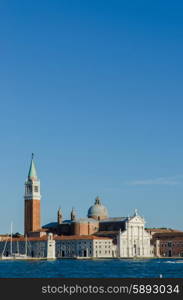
x=51 y=247
x=168 y=243
x=85 y=247
x=134 y=240
x=32 y=246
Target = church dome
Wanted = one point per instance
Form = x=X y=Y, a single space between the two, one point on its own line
x=98 y=211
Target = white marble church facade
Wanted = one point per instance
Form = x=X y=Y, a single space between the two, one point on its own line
x=134 y=241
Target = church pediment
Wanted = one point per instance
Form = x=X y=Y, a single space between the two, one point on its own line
x=136 y=220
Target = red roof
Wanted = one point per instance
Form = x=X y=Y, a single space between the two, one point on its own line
x=62 y=237
x=168 y=235
x=163 y=230
x=80 y=237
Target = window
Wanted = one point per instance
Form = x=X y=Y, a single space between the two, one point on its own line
x=36 y=189
x=29 y=189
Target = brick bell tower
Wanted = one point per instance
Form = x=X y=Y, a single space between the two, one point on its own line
x=32 y=200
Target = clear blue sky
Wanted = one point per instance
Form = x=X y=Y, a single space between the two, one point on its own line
x=95 y=90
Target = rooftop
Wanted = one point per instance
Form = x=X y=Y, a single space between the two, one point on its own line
x=86 y=220
x=168 y=235
x=115 y=219
x=81 y=237
x=162 y=230
x=55 y=224
x=62 y=237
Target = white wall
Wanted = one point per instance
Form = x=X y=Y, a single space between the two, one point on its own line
x=135 y=240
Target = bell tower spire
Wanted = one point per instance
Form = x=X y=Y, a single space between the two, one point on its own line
x=32 y=200
x=32 y=171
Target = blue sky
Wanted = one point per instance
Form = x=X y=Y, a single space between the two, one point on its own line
x=94 y=89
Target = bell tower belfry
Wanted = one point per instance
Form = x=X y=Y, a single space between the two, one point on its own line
x=32 y=200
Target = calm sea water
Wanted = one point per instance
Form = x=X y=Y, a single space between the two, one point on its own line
x=169 y=268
